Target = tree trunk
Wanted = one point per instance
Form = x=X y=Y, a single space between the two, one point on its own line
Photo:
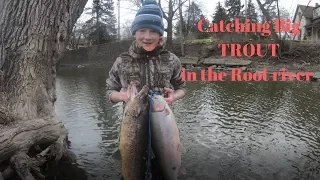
x=169 y=27
x=268 y=18
x=33 y=36
x=188 y=21
x=181 y=33
x=281 y=42
x=169 y=35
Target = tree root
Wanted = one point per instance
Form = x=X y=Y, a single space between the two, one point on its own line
x=22 y=164
x=8 y=173
x=37 y=173
x=58 y=149
x=21 y=143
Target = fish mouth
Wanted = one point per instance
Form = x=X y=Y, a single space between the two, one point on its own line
x=159 y=106
x=132 y=89
x=143 y=92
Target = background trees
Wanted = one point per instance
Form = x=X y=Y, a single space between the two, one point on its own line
x=100 y=27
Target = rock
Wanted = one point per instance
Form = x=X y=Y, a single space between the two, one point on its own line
x=197 y=68
x=244 y=68
x=213 y=61
x=227 y=62
x=220 y=69
x=207 y=50
x=236 y=62
x=251 y=69
x=188 y=60
x=316 y=75
x=189 y=66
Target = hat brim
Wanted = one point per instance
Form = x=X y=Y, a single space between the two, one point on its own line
x=150 y=26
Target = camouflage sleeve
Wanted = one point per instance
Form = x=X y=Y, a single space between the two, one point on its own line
x=176 y=79
x=113 y=82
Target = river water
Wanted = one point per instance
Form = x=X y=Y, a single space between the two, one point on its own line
x=230 y=130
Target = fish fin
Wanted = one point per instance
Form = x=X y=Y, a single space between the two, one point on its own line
x=182 y=171
x=116 y=155
x=182 y=149
x=167 y=111
x=137 y=111
x=132 y=90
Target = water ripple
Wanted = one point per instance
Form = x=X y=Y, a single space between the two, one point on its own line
x=231 y=130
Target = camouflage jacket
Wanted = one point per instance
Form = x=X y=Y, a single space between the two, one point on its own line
x=157 y=69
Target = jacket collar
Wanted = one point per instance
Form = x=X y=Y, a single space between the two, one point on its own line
x=138 y=52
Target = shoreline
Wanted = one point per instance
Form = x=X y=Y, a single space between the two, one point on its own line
x=227 y=64
x=292 y=68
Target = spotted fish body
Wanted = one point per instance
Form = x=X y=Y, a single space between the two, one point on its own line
x=133 y=135
x=165 y=139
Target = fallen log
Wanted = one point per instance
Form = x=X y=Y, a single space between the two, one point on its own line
x=17 y=139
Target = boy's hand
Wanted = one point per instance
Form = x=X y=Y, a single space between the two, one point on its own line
x=171 y=97
x=124 y=96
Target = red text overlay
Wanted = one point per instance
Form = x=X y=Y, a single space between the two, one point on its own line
x=237 y=74
x=261 y=29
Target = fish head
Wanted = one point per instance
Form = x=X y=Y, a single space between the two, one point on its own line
x=137 y=100
x=158 y=103
x=132 y=90
x=142 y=94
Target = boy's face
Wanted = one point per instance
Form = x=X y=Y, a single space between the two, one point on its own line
x=147 y=38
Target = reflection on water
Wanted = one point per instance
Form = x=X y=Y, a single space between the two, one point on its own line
x=231 y=130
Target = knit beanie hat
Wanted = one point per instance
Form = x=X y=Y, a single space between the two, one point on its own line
x=148 y=16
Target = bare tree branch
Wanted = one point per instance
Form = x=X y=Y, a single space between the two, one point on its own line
x=179 y=6
x=137 y=3
x=164 y=14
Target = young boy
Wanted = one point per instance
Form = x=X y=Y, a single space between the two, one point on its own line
x=146 y=62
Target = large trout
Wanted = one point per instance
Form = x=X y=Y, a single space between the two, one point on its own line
x=134 y=134
x=166 y=144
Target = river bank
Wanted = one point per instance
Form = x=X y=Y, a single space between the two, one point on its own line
x=244 y=65
x=303 y=57
x=295 y=57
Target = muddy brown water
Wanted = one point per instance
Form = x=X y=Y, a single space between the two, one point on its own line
x=230 y=130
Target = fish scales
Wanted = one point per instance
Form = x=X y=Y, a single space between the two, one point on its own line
x=133 y=136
